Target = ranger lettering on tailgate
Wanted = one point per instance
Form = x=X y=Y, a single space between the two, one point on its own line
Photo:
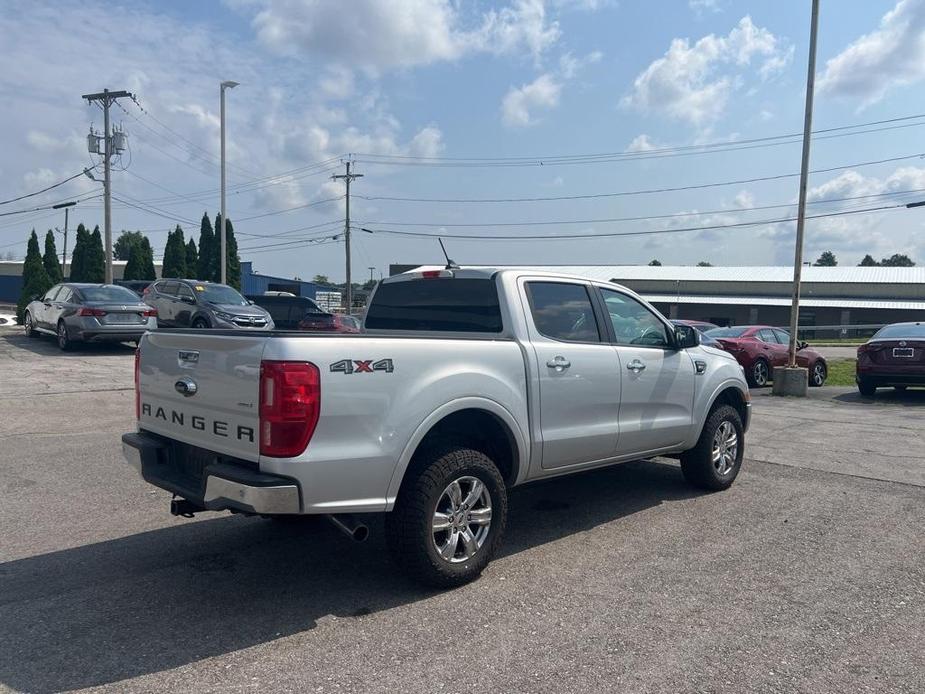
x=198 y=423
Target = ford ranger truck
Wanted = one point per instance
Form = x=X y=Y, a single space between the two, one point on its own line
x=465 y=383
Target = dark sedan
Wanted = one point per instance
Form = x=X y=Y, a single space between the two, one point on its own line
x=759 y=348
x=76 y=313
x=894 y=356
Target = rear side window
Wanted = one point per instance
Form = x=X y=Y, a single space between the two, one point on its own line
x=168 y=288
x=444 y=304
x=563 y=311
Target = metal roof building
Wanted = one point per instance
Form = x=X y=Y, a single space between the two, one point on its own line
x=830 y=296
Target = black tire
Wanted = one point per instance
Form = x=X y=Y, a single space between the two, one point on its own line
x=64 y=341
x=866 y=388
x=759 y=374
x=29 y=326
x=201 y=324
x=900 y=389
x=817 y=375
x=410 y=533
x=697 y=463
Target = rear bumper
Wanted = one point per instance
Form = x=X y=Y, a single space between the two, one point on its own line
x=220 y=485
x=876 y=377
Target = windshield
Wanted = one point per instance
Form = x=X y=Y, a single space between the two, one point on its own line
x=109 y=293
x=220 y=294
x=914 y=330
x=726 y=332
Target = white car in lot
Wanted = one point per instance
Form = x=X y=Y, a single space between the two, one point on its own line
x=465 y=383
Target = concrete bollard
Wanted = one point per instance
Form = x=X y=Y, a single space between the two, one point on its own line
x=790 y=381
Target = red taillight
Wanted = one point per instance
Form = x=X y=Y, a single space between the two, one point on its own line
x=137 y=383
x=98 y=312
x=146 y=290
x=290 y=402
x=150 y=313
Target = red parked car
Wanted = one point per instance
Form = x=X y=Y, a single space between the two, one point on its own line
x=329 y=322
x=894 y=356
x=759 y=348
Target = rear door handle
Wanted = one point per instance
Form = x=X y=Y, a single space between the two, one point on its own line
x=559 y=363
x=636 y=366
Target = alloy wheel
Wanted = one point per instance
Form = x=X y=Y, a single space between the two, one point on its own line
x=62 y=336
x=725 y=448
x=818 y=374
x=462 y=519
x=760 y=373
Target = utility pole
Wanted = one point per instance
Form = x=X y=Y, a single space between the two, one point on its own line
x=370 y=268
x=347 y=178
x=67 y=208
x=228 y=84
x=804 y=169
x=107 y=99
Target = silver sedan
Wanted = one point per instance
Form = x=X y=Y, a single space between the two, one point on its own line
x=75 y=313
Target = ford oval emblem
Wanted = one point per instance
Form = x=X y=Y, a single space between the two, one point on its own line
x=186 y=387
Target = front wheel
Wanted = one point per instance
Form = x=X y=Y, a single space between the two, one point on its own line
x=818 y=375
x=714 y=462
x=449 y=518
x=759 y=374
x=866 y=388
x=201 y=324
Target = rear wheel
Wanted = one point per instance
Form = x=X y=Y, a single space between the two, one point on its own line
x=759 y=374
x=714 y=462
x=866 y=388
x=449 y=518
x=29 y=325
x=900 y=389
x=64 y=342
x=817 y=375
x=201 y=324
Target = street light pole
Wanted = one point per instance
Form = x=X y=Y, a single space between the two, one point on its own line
x=804 y=169
x=67 y=208
x=228 y=84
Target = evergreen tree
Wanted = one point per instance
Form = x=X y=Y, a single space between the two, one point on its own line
x=897 y=260
x=121 y=249
x=78 y=265
x=192 y=258
x=704 y=263
x=655 y=262
x=146 y=268
x=96 y=258
x=827 y=259
x=206 y=250
x=175 y=254
x=868 y=261
x=233 y=268
x=50 y=259
x=35 y=281
x=132 y=269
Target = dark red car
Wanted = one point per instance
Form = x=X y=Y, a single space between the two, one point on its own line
x=759 y=348
x=329 y=322
x=894 y=356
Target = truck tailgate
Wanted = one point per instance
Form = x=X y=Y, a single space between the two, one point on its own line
x=202 y=390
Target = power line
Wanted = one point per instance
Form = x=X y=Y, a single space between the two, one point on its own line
x=647 y=232
x=43 y=190
x=290 y=209
x=650 y=191
x=45 y=207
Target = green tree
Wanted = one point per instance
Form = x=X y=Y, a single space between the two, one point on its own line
x=132 y=269
x=704 y=263
x=897 y=260
x=827 y=259
x=192 y=258
x=122 y=248
x=868 y=261
x=96 y=258
x=35 y=281
x=206 y=260
x=78 y=265
x=655 y=262
x=147 y=270
x=233 y=269
x=175 y=254
x=50 y=259
x=321 y=279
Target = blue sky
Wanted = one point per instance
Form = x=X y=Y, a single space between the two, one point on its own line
x=406 y=84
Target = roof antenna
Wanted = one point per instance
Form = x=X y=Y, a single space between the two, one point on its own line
x=450 y=265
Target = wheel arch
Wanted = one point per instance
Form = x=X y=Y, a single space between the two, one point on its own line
x=480 y=423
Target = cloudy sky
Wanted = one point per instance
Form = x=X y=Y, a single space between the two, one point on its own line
x=574 y=119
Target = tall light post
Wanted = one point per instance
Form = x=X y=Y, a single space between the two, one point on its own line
x=227 y=84
x=67 y=208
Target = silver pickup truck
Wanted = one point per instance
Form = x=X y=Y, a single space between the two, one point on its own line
x=465 y=383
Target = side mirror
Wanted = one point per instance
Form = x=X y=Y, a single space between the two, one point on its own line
x=686 y=336
x=802 y=344
x=188 y=300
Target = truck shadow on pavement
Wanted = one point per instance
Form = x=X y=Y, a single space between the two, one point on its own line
x=158 y=600
x=912 y=397
x=47 y=346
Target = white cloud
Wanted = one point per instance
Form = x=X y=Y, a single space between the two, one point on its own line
x=745 y=199
x=890 y=57
x=519 y=102
x=693 y=82
x=383 y=35
x=641 y=143
x=704 y=5
x=337 y=83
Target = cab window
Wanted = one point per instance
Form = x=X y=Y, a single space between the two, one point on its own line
x=633 y=323
x=51 y=293
x=563 y=311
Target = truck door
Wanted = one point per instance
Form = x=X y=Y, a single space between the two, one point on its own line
x=579 y=384
x=656 y=406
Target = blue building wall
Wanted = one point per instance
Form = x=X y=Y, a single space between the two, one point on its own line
x=254 y=283
x=10 y=288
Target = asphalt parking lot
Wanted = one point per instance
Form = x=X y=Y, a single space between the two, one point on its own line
x=806 y=576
